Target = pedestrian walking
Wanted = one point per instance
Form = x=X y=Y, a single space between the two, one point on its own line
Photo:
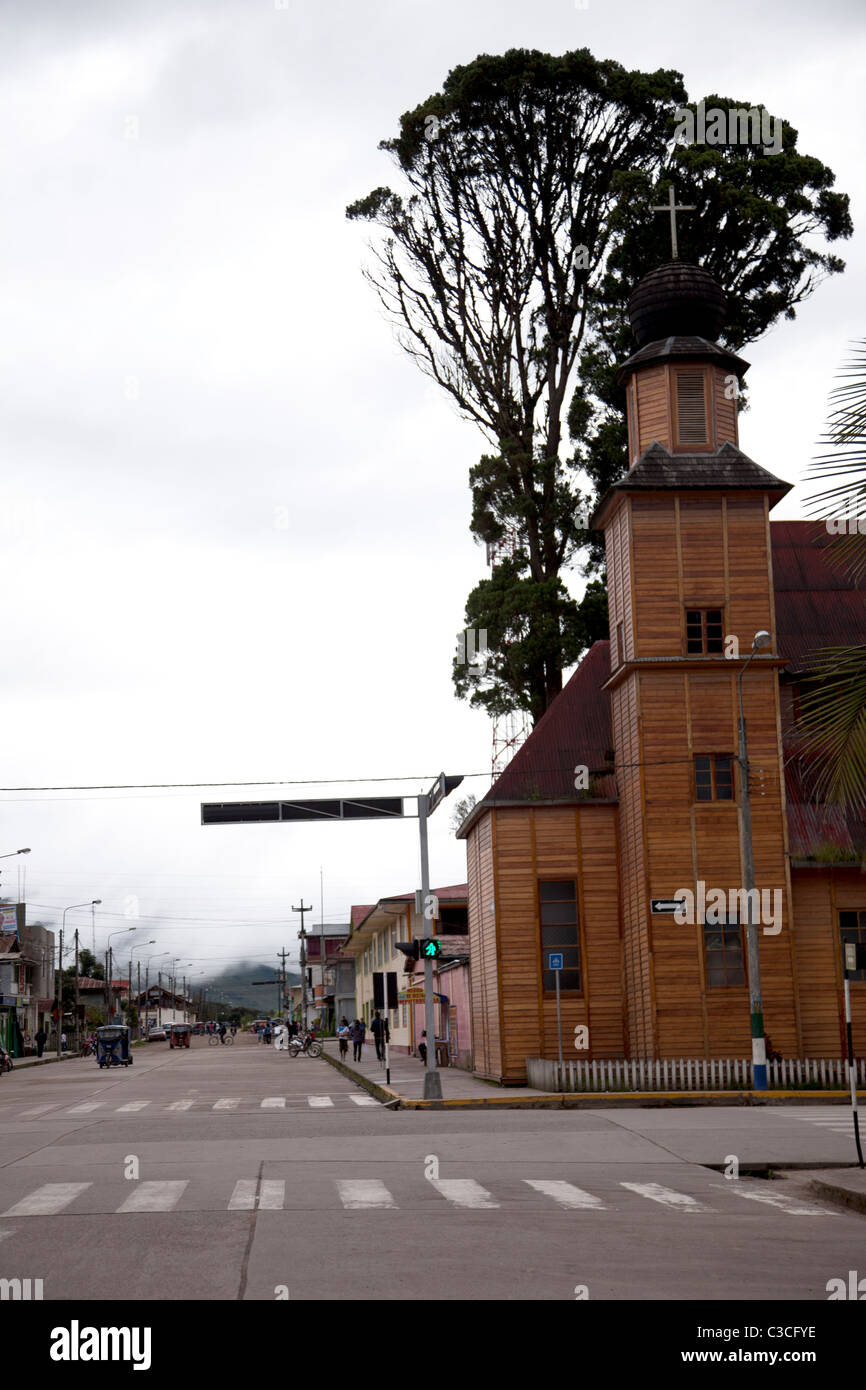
x=357 y=1033
x=62 y=1042
x=266 y=1034
x=379 y=1029
x=422 y=1048
x=343 y=1035
x=222 y=1032
x=41 y=1040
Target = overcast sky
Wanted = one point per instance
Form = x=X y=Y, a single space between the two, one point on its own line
x=234 y=516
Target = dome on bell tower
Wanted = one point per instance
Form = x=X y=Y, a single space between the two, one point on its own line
x=677 y=300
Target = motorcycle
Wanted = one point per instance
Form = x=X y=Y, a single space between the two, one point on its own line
x=5 y=1061
x=89 y=1048
x=309 y=1044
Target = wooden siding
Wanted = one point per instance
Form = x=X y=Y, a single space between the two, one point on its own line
x=819 y=896
x=483 y=949
x=528 y=844
x=724 y=410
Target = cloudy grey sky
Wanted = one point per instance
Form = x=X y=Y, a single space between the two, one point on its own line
x=234 y=516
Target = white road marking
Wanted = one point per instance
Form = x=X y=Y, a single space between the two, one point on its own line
x=39 y=1109
x=231 y=1104
x=85 y=1108
x=47 y=1200
x=181 y=1105
x=154 y=1196
x=790 y=1205
x=244 y=1196
x=247 y=1195
x=364 y=1100
x=272 y=1194
x=678 y=1200
x=319 y=1102
x=464 y=1192
x=361 y=1194
x=573 y=1198
x=133 y=1105
x=274 y=1103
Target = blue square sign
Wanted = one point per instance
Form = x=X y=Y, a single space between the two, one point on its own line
x=554 y=960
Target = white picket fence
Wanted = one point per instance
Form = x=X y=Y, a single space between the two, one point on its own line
x=688 y=1074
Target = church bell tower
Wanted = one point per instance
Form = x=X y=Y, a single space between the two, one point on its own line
x=689 y=572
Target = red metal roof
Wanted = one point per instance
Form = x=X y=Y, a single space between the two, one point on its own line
x=817 y=605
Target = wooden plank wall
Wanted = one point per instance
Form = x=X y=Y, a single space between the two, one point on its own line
x=819 y=896
x=552 y=842
x=483 y=949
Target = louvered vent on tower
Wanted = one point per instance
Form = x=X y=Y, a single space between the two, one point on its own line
x=691 y=408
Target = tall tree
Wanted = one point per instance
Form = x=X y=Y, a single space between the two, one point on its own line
x=506 y=266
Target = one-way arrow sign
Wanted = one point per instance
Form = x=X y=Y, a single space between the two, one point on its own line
x=667 y=904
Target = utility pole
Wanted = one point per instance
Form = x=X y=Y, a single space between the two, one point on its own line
x=283 y=981
x=138 y=998
x=756 y=1007
x=60 y=994
x=77 y=1030
x=303 y=936
x=432 y=1079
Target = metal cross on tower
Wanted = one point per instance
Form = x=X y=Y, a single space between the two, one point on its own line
x=673 y=208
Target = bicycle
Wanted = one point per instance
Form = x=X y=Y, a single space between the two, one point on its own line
x=214 y=1040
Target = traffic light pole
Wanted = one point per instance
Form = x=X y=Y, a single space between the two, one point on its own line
x=432 y=1079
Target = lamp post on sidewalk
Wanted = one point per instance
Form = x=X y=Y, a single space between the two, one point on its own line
x=756 y=1007
x=138 y=993
x=108 y=965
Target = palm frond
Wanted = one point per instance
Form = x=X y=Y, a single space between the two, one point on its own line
x=832 y=731
x=843 y=505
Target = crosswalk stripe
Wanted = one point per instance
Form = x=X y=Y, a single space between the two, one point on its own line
x=154 y=1196
x=361 y=1194
x=465 y=1192
x=790 y=1205
x=668 y=1198
x=243 y=1197
x=272 y=1194
x=85 y=1108
x=39 y=1109
x=181 y=1105
x=364 y=1100
x=230 y=1104
x=274 y=1103
x=566 y=1194
x=319 y=1102
x=48 y=1200
x=133 y=1105
x=248 y=1194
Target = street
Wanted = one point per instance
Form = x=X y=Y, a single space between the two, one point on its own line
x=239 y=1173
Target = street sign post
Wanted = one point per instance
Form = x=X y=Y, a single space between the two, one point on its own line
x=554 y=963
x=358 y=808
x=855 y=958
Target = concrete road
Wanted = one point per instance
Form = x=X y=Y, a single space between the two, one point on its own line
x=227 y=1173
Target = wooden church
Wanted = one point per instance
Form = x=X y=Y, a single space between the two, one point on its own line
x=629 y=790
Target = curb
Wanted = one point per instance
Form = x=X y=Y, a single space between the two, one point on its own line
x=841 y=1196
x=25 y=1063
x=593 y=1100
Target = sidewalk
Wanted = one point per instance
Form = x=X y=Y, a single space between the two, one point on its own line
x=845 y=1186
x=34 y=1061
x=462 y=1090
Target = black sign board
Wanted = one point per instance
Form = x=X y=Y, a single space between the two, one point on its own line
x=667 y=904
x=239 y=812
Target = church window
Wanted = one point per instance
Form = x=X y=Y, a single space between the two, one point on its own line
x=852 y=926
x=724 y=954
x=714 y=777
x=691 y=408
x=557 y=910
x=704 y=634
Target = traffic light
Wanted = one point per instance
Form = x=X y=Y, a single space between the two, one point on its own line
x=431 y=948
x=410 y=948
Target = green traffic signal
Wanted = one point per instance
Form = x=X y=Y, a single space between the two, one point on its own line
x=432 y=947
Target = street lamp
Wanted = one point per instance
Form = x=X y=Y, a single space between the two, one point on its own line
x=756 y=1008
x=152 y=942
x=92 y=903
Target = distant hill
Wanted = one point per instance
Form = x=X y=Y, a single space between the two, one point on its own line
x=234 y=985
